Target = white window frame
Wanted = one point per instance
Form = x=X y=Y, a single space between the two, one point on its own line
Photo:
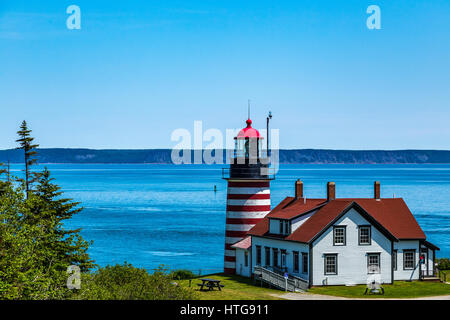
x=369 y=236
x=378 y=264
x=413 y=252
x=331 y=255
x=344 y=235
x=283 y=259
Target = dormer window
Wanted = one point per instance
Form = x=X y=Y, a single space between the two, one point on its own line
x=280 y=226
x=285 y=227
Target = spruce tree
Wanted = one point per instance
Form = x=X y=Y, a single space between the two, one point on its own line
x=26 y=144
x=35 y=247
x=4 y=177
x=50 y=210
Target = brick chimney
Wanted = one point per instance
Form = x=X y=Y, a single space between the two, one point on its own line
x=376 y=190
x=331 y=191
x=298 y=189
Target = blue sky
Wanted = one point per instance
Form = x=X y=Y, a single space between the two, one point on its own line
x=137 y=70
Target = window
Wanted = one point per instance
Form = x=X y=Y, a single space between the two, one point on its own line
x=305 y=262
x=267 y=249
x=339 y=236
x=409 y=259
x=296 y=262
x=364 y=235
x=275 y=257
x=394 y=260
x=373 y=263
x=285 y=227
x=246 y=258
x=283 y=258
x=258 y=255
x=330 y=263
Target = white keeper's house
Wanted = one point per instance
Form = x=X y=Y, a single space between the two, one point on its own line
x=316 y=242
x=334 y=241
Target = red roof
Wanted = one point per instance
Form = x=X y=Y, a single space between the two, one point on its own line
x=392 y=215
x=248 y=132
x=243 y=244
x=295 y=207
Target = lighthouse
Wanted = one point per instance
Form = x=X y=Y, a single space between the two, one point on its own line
x=248 y=192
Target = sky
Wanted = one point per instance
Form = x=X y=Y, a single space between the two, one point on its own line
x=138 y=70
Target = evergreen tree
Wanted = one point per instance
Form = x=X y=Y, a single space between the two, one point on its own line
x=35 y=248
x=21 y=274
x=26 y=144
x=2 y=169
x=49 y=210
x=3 y=181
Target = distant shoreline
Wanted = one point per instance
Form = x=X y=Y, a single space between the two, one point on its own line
x=286 y=156
x=219 y=164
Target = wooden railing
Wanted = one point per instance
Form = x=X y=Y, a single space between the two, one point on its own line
x=441 y=275
x=278 y=281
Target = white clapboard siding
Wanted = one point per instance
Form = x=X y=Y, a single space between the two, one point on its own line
x=351 y=258
x=400 y=273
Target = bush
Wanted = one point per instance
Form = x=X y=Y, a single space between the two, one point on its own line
x=443 y=263
x=125 y=282
x=182 y=274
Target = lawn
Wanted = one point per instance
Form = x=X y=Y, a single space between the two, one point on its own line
x=236 y=288
x=400 y=289
x=242 y=288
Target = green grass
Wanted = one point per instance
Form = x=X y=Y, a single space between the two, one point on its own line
x=400 y=289
x=242 y=288
x=236 y=288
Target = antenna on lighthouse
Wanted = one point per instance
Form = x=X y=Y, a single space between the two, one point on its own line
x=248 y=109
x=269 y=117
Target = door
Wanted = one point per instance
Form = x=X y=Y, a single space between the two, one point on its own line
x=424 y=262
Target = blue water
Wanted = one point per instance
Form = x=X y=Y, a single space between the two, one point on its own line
x=153 y=214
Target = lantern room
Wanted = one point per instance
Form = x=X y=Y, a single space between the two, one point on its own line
x=248 y=143
x=249 y=160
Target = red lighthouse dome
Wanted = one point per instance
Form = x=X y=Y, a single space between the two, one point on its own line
x=249 y=132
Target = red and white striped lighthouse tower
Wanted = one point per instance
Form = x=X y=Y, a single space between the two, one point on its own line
x=248 y=196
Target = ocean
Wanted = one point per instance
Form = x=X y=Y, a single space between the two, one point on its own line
x=152 y=214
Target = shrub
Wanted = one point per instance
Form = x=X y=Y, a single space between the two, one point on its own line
x=443 y=263
x=182 y=274
x=125 y=282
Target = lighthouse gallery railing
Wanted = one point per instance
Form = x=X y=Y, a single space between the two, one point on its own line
x=268 y=173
